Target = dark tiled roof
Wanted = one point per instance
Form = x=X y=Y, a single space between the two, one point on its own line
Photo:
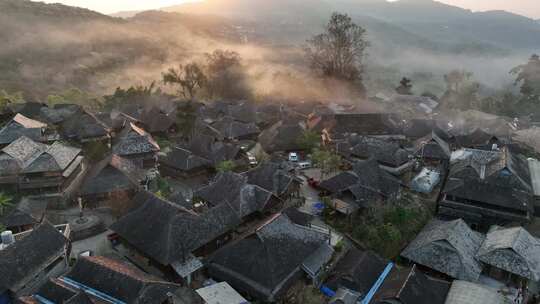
x=270 y=176
x=233 y=189
x=26 y=212
x=83 y=125
x=282 y=137
x=357 y=271
x=157 y=120
x=114 y=173
x=340 y=182
x=21 y=126
x=386 y=152
x=366 y=124
x=184 y=160
x=134 y=140
x=514 y=250
x=231 y=128
x=411 y=286
x=120 y=281
x=30 y=255
x=447 y=247
x=171 y=232
x=263 y=263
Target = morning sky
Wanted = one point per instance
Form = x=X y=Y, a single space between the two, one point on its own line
x=530 y=8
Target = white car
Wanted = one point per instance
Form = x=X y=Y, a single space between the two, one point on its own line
x=304 y=165
x=293 y=157
x=252 y=160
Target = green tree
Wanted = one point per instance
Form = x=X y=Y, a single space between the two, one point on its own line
x=327 y=161
x=75 y=96
x=309 y=140
x=6 y=99
x=338 y=52
x=405 y=87
x=190 y=78
x=186 y=118
x=461 y=90
x=134 y=95
x=528 y=75
x=226 y=77
x=226 y=166
x=5 y=202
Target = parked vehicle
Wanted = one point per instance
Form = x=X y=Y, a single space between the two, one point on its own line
x=293 y=157
x=305 y=165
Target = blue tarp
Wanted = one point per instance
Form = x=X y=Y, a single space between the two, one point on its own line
x=327 y=291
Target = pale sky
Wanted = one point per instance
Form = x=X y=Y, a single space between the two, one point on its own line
x=530 y=8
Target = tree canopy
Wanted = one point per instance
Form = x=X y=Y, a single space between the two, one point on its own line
x=339 y=51
x=190 y=78
x=528 y=75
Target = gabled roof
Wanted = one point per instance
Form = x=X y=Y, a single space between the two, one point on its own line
x=28 y=123
x=513 y=250
x=231 y=128
x=411 y=286
x=27 y=212
x=270 y=176
x=492 y=166
x=56 y=157
x=21 y=261
x=120 y=281
x=463 y=292
x=282 y=137
x=433 y=146
x=134 y=140
x=386 y=152
x=184 y=160
x=84 y=125
x=24 y=150
x=366 y=124
x=234 y=189
x=357 y=271
x=157 y=120
x=264 y=263
x=447 y=247
x=114 y=173
x=172 y=232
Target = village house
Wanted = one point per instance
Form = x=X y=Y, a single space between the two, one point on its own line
x=274 y=178
x=266 y=263
x=85 y=127
x=367 y=185
x=41 y=168
x=488 y=188
x=433 y=150
x=231 y=129
x=355 y=274
x=390 y=155
x=384 y=125
x=159 y=121
x=180 y=162
x=174 y=237
x=511 y=255
x=449 y=248
x=235 y=190
x=137 y=145
x=282 y=137
x=28 y=259
x=111 y=182
x=100 y=279
x=24 y=215
x=216 y=151
x=411 y=286
x=21 y=125
x=462 y=292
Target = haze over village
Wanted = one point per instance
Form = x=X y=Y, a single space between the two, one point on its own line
x=283 y=151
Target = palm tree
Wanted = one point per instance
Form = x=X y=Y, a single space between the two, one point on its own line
x=5 y=202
